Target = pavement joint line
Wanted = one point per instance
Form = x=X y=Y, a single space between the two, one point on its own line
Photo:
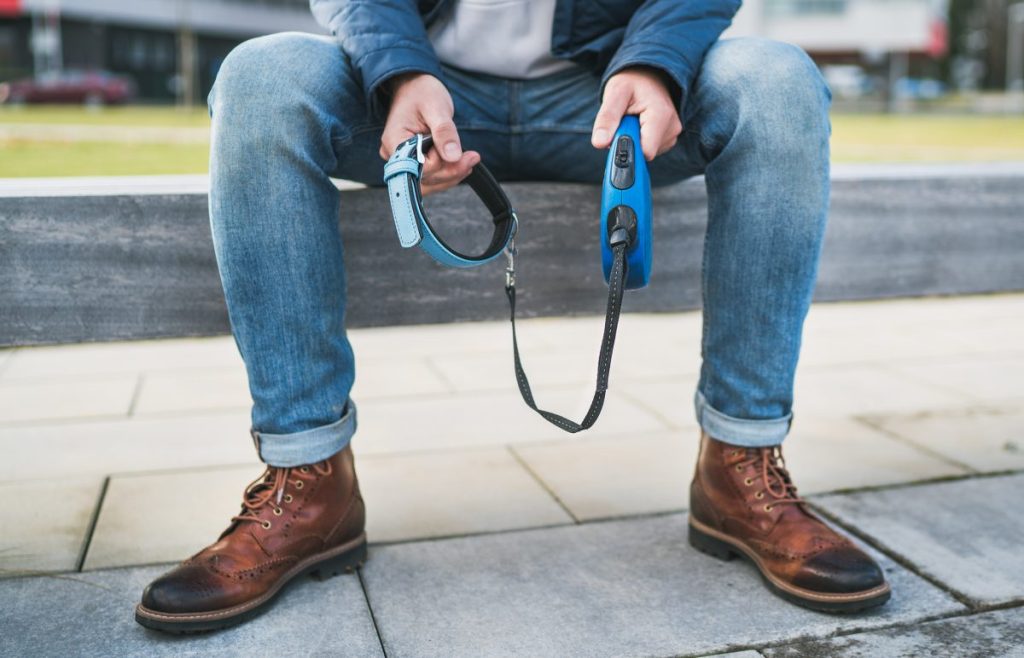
x=6 y=363
x=870 y=422
x=135 y=394
x=889 y=368
x=369 y=608
x=906 y=623
x=434 y=368
x=903 y=562
x=91 y=527
x=654 y=411
x=898 y=558
x=544 y=485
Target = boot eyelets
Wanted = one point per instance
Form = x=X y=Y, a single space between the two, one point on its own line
x=739 y=467
x=759 y=495
x=288 y=498
x=299 y=484
x=278 y=511
x=266 y=525
x=767 y=508
x=304 y=469
x=748 y=481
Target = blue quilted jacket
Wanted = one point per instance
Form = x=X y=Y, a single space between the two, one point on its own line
x=386 y=37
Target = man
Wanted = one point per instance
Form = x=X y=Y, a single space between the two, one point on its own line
x=536 y=89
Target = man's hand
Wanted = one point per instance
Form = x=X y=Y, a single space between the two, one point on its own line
x=642 y=91
x=421 y=104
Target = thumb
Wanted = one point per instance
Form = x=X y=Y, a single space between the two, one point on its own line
x=608 y=117
x=446 y=137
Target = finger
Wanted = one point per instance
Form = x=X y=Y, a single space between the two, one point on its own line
x=671 y=138
x=392 y=137
x=446 y=136
x=608 y=117
x=668 y=146
x=653 y=129
x=451 y=171
x=451 y=174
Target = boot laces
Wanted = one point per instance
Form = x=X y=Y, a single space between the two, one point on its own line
x=271 y=485
x=774 y=474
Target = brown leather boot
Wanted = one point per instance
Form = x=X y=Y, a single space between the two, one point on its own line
x=294 y=521
x=743 y=503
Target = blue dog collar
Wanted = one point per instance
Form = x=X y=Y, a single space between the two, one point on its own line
x=402 y=176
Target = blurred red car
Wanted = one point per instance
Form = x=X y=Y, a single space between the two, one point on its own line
x=88 y=87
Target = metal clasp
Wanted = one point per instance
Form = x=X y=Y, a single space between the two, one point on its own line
x=419 y=148
x=510 y=268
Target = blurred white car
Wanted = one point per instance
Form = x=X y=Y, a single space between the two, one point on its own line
x=847 y=80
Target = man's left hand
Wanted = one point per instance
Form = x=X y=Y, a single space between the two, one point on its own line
x=643 y=91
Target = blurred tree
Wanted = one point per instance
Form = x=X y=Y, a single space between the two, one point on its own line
x=978 y=42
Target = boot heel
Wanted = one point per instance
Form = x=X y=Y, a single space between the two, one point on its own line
x=712 y=546
x=347 y=562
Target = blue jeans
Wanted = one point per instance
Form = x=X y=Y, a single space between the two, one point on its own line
x=288 y=114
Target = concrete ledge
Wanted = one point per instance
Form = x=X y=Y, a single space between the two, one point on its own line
x=104 y=259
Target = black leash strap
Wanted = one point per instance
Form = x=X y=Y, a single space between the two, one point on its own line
x=620 y=240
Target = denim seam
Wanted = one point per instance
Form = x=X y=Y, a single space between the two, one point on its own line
x=349 y=136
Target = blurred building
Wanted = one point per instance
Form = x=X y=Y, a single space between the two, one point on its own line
x=172 y=48
x=833 y=30
x=155 y=41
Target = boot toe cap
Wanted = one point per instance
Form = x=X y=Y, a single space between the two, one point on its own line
x=843 y=570
x=187 y=589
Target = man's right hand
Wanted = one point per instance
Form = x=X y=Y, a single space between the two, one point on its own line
x=422 y=104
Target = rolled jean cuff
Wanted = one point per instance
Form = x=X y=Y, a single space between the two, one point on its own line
x=740 y=431
x=309 y=446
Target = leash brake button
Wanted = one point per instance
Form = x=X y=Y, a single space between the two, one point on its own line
x=623 y=170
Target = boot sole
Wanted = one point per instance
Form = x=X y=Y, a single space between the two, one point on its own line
x=719 y=545
x=339 y=560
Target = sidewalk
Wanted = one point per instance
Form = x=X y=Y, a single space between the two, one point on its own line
x=495 y=534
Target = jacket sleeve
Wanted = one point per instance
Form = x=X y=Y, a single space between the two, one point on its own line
x=383 y=38
x=673 y=36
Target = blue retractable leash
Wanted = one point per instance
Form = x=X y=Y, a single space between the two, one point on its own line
x=625 y=239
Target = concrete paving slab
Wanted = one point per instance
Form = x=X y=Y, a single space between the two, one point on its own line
x=68 y=449
x=984 y=379
x=669 y=399
x=983 y=438
x=962 y=310
x=641 y=356
x=604 y=478
x=92 y=614
x=903 y=330
x=621 y=588
x=966 y=534
x=123 y=357
x=165 y=517
x=420 y=340
x=5 y=359
x=60 y=398
x=207 y=389
x=997 y=634
x=879 y=339
x=684 y=329
x=45 y=523
x=830 y=454
x=487 y=419
x=413 y=496
x=863 y=389
x=382 y=376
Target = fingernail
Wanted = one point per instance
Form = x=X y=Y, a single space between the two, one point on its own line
x=451 y=149
x=600 y=135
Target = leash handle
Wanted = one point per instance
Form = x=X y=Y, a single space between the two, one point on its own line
x=616 y=286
